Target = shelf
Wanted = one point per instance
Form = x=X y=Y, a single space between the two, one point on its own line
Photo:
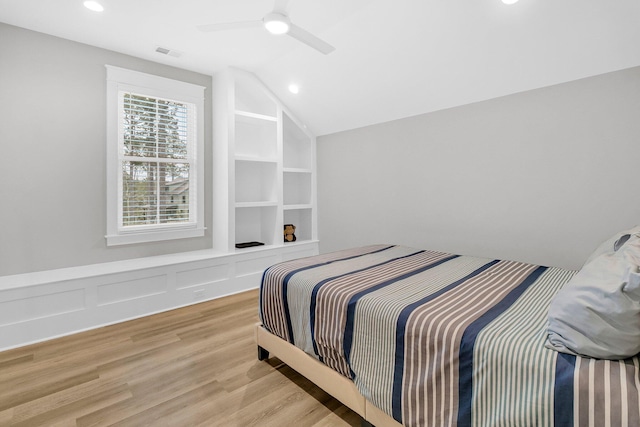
x=298 y=241
x=254 y=116
x=266 y=203
x=255 y=248
x=296 y=170
x=294 y=207
x=256 y=159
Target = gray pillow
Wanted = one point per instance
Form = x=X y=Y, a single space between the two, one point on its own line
x=597 y=313
x=608 y=246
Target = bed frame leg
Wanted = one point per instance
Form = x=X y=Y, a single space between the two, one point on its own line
x=365 y=423
x=262 y=353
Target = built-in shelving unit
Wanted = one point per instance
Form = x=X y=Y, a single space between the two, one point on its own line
x=265 y=166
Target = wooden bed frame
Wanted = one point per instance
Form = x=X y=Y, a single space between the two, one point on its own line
x=324 y=377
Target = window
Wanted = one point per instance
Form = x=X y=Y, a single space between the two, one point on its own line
x=154 y=157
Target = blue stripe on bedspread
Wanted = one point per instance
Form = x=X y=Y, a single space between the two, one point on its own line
x=400 y=336
x=348 y=333
x=468 y=341
x=287 y=278
x=314 y=294
x=563 y=390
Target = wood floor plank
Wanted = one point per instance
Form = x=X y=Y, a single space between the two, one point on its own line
x=6 y=416
x=71 y=411
x=107 y=352
x=194 y=366
x=15 y=361
x=172 y=411
x=13 y=397
x=16 y=353
x=62 y=398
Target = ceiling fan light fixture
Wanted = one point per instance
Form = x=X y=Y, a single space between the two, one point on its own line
x=277 y=23
x=94 y=6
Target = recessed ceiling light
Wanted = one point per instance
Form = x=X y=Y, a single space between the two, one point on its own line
x=93 y=5
x=509 y=1
x=294 y=88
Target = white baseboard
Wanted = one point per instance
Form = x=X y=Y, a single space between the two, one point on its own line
x=36 y=307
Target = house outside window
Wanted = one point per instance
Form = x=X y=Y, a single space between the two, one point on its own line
x=154 y=157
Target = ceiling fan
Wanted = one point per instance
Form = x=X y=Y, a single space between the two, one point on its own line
x=276 y=22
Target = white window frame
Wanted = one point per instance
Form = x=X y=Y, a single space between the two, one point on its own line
x=119 y=80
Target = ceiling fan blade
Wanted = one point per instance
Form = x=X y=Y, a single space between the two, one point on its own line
x=309 y=39
x=230 y=26
x=280 y=5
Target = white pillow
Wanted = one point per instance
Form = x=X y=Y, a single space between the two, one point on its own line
x=597 y=313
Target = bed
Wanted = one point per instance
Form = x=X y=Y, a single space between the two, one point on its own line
x=423 y=338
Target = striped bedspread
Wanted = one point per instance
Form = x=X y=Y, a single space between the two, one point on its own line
x=435 y=339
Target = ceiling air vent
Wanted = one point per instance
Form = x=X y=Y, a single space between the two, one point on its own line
x=165 y=51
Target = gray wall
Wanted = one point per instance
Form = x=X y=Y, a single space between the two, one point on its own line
x=541 y=176
x=52 y=153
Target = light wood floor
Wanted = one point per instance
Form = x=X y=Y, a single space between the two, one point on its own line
x=195 y=366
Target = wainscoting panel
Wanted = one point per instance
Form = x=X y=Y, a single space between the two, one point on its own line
x=201 y=276
x=128 y=290
x=41 y=306
x=44 y=305
x=255 y=265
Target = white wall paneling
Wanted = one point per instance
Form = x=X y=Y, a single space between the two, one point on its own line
x=199 y=276
x=129 y=290
x=39 y=306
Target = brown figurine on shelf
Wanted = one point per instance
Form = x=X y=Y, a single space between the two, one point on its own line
x=289 y=230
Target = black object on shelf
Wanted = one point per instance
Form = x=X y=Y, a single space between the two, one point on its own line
x=248 y=244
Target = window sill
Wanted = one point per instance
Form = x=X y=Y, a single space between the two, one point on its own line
x=154 y=236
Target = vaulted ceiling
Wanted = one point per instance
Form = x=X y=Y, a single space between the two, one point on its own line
x=393 y=58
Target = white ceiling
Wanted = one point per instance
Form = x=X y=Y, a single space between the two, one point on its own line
x=393 y=58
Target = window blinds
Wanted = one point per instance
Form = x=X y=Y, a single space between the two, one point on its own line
x=157 y=153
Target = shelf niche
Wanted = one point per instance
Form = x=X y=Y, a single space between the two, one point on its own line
x=302 y=219
x=256 y=182
x=297 y=188
x=297 y=146
x=250 y=96
x=255 y=137
x=256 y=224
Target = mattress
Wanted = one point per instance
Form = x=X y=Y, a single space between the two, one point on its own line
x=433 y=339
